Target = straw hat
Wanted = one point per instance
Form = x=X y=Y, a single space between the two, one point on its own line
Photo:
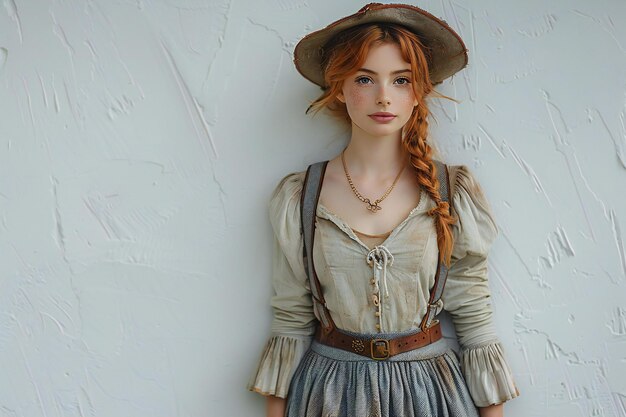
x=448 y=53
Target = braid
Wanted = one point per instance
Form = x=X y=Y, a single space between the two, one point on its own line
x=421 y=160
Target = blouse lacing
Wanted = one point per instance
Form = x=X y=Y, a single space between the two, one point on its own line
x=378 y=258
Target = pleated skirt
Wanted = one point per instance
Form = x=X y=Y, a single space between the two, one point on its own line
x=424 y=382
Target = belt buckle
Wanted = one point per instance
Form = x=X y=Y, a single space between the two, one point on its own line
x=379 y=349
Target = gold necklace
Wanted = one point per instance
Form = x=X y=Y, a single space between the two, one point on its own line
x=373 y=207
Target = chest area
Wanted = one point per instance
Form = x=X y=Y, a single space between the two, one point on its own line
x=372 y=215
x=408 y=250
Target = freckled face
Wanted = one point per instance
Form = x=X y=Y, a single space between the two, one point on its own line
x=382 y=84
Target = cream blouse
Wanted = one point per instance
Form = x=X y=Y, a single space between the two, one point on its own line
x=403 y=282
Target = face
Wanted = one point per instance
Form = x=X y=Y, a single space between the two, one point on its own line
x=382 y=84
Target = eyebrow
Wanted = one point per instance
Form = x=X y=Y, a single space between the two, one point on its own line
x=375 y=73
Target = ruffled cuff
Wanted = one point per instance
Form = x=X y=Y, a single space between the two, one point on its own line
x=278 y=362
x=488 y=375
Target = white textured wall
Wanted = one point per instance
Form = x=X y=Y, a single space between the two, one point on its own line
x=139 y=143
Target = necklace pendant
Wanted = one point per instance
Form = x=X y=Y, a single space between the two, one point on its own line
x=373 y=207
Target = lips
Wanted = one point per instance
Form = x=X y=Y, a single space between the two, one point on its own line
x=382 y=117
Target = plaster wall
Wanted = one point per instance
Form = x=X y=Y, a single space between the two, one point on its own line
x=139 y=144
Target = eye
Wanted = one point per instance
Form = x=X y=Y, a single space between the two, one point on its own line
x=362 y=80
x=407 y=81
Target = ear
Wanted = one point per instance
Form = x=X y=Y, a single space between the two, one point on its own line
x=415 y=103
x=341 y=97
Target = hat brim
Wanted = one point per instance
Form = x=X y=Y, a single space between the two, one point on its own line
x=448 y=52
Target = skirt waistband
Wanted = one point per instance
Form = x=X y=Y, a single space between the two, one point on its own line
x=425 y=352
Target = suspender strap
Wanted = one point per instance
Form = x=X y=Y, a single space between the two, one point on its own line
x=434 y=303
x=308 y=206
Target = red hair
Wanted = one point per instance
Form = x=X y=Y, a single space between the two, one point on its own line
x=347 y=52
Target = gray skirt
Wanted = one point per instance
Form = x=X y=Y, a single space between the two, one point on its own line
x=424 y=382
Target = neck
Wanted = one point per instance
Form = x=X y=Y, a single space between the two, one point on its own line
x=375 y=156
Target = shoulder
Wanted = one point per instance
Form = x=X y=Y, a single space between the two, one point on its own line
x=288 y=189
x=464 y=184
x=284 y=203
x=470 y=203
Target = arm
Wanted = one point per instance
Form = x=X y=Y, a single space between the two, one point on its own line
x=293 y=321
x=468 y=298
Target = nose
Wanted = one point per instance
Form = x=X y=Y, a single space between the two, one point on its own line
x=383 y=99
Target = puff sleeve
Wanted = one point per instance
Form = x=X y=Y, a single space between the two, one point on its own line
x=467 y=296
x=293 y=323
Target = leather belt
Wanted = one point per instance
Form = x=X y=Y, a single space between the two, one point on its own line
x=378 y=349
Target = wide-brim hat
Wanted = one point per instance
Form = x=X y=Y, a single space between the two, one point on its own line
x=448 y=53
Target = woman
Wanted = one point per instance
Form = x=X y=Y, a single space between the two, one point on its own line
x=357 y=338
